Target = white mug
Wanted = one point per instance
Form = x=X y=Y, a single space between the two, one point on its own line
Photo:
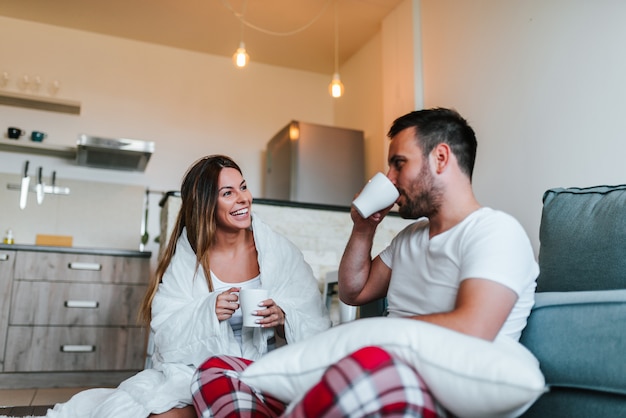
x=249 y=300
x=377 y=194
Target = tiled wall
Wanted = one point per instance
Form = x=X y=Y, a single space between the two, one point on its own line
x=321 y=234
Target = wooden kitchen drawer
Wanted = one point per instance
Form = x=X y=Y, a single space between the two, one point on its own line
x=7 y=264
x=50 y=303
x=33 y=265
x=87 y=349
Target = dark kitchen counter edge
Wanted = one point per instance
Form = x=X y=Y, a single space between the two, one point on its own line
x=284 y=203
x=76 y=250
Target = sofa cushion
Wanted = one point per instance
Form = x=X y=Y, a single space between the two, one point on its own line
x=583 y=239
x=579 y=339
x=577 y=403
x=469 y=376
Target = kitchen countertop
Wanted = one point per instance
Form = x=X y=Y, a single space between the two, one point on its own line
x=76 y=250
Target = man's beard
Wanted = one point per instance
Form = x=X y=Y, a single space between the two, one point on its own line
x=423 y=199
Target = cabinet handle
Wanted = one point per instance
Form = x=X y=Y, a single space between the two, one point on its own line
x=74 y=348
x=85 y=266
x=92 y=304
x=4 y=257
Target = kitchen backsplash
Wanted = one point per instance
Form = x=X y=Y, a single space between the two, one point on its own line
x=321 y=234
x=100 y=215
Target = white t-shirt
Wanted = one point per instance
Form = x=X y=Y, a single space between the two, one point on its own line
x=488 y=244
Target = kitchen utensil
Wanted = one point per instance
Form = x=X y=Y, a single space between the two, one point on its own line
x=144 y=222
x=39 y=187
x=25 y=184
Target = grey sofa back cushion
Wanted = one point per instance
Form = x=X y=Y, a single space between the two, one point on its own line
x=583 y=239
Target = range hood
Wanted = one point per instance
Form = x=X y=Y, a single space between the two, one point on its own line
x=114 y=154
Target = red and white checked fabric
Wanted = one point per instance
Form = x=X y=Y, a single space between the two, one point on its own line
x=367 y=383
x=218 y=392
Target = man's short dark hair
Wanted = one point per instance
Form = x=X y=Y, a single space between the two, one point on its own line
x=440 y=125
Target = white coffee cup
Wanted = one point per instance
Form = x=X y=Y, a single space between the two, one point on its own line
x=378 y=193
x=249 y=300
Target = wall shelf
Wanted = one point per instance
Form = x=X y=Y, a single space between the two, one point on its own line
x=38 y=148
x=39 y=103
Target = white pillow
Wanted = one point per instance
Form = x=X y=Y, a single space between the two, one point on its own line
x=469 y=376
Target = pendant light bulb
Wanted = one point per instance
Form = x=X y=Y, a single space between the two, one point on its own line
x=336 y=86
x=241 y=57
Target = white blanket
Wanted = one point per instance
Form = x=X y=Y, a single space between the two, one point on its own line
x=187 y=332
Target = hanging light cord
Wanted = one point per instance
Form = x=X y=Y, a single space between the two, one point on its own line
x=240 y=17
x=336 y=38
x=243 y=12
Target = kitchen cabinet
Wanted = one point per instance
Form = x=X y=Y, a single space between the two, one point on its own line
x=7 y=263
x=71 y=312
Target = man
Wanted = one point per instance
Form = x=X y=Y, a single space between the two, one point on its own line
x=460 y=265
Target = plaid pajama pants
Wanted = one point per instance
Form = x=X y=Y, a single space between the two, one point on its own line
x=366 y=383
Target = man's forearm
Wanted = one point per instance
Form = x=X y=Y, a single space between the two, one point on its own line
x=355 y=265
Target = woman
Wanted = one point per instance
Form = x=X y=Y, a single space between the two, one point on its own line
x=217 y=248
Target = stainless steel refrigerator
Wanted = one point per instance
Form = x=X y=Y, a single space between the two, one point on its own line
x=312 y=163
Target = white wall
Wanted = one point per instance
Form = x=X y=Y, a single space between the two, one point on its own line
x=400 y=75
x=190 y=104
x=361 y=106
x=542 y=82
x=383 y=81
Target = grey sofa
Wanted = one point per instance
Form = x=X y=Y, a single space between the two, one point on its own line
x=577 y=328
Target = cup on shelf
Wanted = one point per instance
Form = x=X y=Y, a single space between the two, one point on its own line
x=38 y=136
x=15 y=133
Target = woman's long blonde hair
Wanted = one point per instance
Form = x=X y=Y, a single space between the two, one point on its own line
x=198 y=192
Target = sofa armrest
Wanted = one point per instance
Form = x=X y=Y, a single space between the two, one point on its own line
x=555 y=299
x=579 y=339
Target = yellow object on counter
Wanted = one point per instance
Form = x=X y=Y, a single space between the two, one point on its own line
x=54 y=240
x=8 y=239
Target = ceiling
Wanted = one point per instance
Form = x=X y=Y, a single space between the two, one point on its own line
x=212 y=26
